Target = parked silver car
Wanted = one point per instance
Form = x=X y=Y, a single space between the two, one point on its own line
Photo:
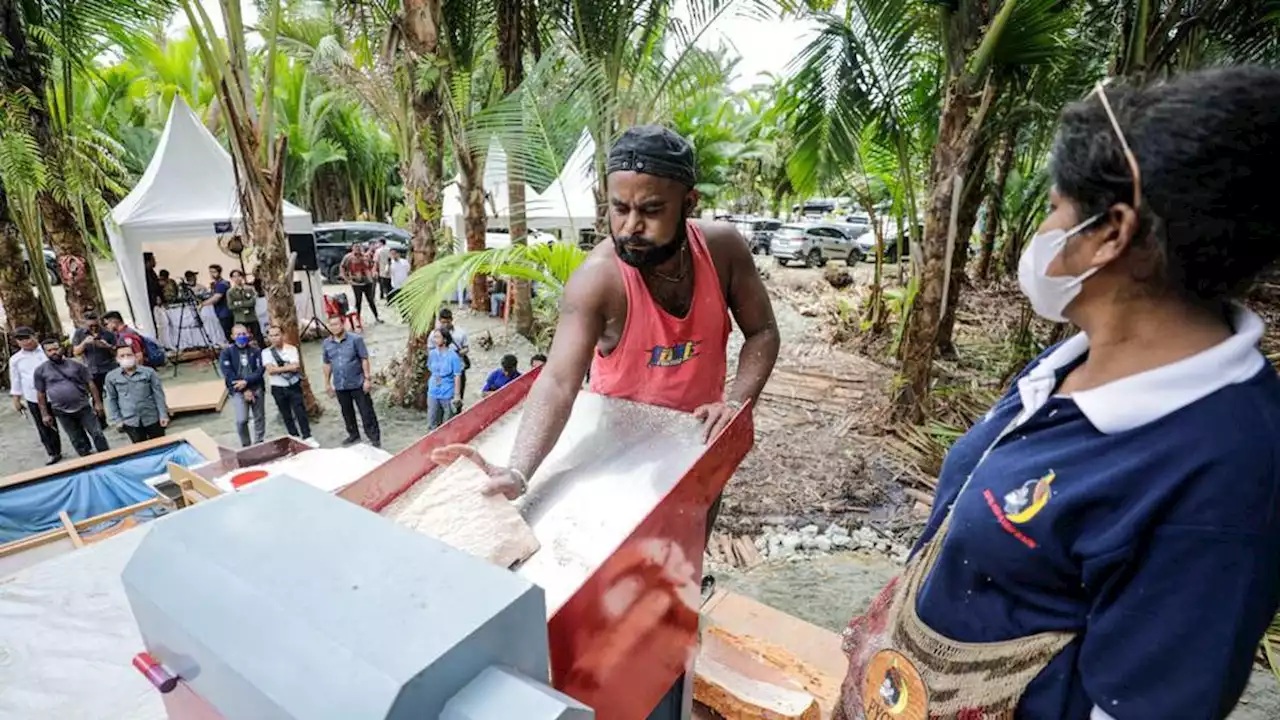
x=814 y=244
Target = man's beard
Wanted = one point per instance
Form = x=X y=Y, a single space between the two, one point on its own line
x=647 y=254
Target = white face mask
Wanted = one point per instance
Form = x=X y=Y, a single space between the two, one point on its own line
x=128 y=362
x=1050 y=295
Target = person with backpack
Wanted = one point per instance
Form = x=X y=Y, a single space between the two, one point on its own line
x=147 y=351
x=284 y=374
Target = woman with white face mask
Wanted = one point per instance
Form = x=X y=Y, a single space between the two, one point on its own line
x=1105 y=543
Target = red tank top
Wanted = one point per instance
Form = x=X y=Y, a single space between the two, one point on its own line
x=664 y=360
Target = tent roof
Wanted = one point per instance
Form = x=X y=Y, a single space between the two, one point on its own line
x=188 y=186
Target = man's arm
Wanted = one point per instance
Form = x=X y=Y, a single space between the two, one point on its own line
x=157 y=390
x=77 y=346
x=748 y=300
x=582 y=322
x=41 y=400
x=15 y=386
x=255 y=376
x=94 y=391
x=113 y=404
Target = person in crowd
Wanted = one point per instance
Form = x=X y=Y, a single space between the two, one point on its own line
x=497 y=296
x=537 y=361
x=22 y=388
x=1105 y=539
x=191 y=282
x=65 y=390
x=243 y=302
x=357 y=271
x=97 y=347
x=135 y=397
x=346 y=375
x=499 y=378
x=168 y=288
x=382 y=263
x=155 y=292
x=398 y=272
x=444 y=391
x=217 y=299
x=242 y=371
x=459 y=342
x=284 y=374
x=125 y=335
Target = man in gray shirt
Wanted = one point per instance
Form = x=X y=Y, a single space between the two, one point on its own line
x=135 y=398
x=65 y=389
x=346 y=374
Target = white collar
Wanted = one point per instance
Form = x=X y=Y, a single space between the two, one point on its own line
x=1136 y=400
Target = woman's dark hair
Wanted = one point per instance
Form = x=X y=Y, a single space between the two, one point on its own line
x=1207 y=146
x=509 y=362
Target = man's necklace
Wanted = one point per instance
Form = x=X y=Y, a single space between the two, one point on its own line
x=680 y=275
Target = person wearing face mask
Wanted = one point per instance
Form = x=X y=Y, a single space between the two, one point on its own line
x=135 y=398
x=648 y=311
x=1106 y=538
x=243 y=373
x=65 y=391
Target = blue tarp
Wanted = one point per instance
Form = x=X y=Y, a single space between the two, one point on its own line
x=33 y=507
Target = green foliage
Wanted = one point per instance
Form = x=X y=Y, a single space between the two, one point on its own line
x=427 y=289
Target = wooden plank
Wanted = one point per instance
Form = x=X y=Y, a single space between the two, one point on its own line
x=48 y=536
x=744 y=681
x=192 y=482
x=207 y=396
x=815 y=647
x=197 y=438
x=71 y=529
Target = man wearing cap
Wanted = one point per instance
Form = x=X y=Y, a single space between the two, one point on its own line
x=22 y=387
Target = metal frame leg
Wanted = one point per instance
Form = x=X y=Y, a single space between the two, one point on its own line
x=677 y=704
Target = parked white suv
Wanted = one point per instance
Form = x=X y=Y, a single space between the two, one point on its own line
x=813 y=244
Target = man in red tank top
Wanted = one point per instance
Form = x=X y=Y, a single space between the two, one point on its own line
x=648 y=310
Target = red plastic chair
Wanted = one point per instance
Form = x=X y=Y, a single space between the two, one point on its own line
x=352 y=318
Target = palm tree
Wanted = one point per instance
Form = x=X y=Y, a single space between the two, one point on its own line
x=35 y=33
x=257 y=153
x=511 y=33
x=979 y=39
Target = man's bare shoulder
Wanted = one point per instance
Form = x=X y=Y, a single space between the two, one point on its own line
x=597 y=280
x=723 y=239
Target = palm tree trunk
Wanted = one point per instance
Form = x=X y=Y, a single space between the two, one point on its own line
x=953 y=156
x=510 y=57
x=471 y=172
x=968 y=215
x=21 y=305
x=995 y=206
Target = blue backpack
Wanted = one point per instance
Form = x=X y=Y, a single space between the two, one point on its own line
x=154 y=354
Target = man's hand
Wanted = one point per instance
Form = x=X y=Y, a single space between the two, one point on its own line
x=17 y=404
x=97 y=408
x=501 y=480
x=248 y=396
x=164 y=422
x=457 y=405
x=714 y=417
x=328 y=389
x=240 y=384
x=47 y=419
x=367 y=385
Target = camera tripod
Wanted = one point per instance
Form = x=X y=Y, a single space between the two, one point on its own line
x=189 y=304
x=320 y=328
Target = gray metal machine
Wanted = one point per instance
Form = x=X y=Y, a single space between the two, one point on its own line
x=285 y=602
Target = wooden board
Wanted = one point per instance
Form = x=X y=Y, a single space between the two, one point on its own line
x=741 y=681
x=197 y=438
x=206 y=396
x=824 y=663
x=451 y=508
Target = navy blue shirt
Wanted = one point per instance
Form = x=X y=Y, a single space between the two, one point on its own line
x=242 y=364
x=498 y=379
x=1141 y=515
x=343 y=358
x=220 y=308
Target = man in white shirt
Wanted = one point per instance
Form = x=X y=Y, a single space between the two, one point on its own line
x=382 y=261
x=459 y=342
x=22 y=388
x=398 y=271
x=284 y=376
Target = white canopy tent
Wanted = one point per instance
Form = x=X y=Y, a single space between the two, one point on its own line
x=184 y=202
x=568 y=204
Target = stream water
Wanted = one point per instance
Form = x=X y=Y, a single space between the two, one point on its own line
x=827 y=591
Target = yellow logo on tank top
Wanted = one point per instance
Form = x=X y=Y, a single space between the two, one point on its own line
x=673 y=355
x=1026 y=502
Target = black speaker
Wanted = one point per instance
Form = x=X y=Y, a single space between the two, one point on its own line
x=304 y=245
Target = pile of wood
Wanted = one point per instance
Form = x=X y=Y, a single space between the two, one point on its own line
x=739 y=551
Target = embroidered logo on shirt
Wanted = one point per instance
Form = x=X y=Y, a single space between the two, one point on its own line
x=1024 y=503
x=672 y=355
